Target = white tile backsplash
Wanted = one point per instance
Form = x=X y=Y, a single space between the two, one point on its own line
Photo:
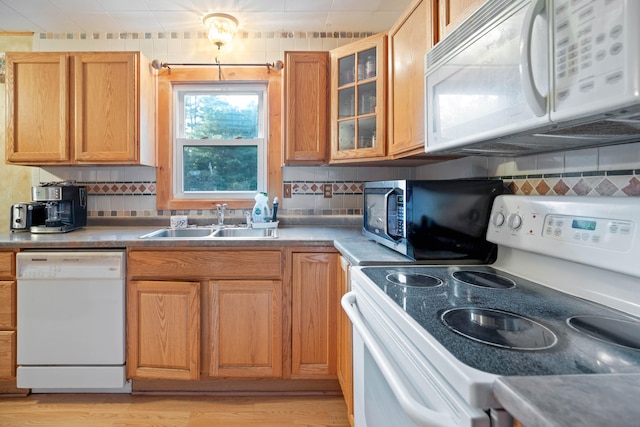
x=619 y=157
x=580 y=160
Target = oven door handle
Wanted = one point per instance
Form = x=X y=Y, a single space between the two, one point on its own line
x=418 y=412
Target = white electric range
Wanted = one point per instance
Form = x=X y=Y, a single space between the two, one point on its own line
x=561 y=299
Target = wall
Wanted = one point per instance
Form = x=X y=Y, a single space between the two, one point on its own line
x=130 y=191
x=16 y=180
x=606 y=171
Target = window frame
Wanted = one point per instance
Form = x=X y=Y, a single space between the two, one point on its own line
x=180 y=141
x=168 y=81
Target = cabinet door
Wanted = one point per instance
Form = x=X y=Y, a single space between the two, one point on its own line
x=245 y=330
x=7 y=304
x=7 y=355
x=37 y=108
x=453 y=12
x=163 y=330
x=358 y=100
x=314 y=315
x=105 y=107
x=345 y=364
x=409 y=40
x=306 y=107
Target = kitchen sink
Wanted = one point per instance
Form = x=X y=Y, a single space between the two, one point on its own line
x=231 y=233
x=246 y=233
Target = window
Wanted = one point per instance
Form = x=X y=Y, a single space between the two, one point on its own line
x=219 y=150
x=199 y=166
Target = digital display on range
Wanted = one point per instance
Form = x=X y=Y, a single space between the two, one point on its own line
x=583 y=224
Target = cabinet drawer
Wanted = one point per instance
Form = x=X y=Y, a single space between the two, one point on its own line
x=7 y=265
x=7 y=355
x=193 y=264
x=7 y=305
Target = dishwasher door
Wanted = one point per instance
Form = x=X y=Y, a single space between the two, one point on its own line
x=71 y=319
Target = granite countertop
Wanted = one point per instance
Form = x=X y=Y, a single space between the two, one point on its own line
x=348 y=239
x=571 y=400
x=100 y=237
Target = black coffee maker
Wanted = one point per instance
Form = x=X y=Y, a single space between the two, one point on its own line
x=65 y=207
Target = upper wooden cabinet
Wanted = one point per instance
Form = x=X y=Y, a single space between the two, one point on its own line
x=358 y=100
x=453 y=12
x=409 y=40
x=80 y=108
x=306 y=107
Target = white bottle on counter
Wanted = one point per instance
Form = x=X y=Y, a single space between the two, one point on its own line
x=261 y=211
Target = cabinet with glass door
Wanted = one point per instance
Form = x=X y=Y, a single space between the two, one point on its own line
x=358 y=80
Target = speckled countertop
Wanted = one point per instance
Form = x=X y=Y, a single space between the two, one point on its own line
x=121 y=237
x=571 y=400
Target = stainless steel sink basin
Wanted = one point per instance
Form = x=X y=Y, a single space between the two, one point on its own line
x=178 y=233
x=246 y=233
x=230 y=233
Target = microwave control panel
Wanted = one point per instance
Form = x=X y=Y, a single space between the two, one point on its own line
x=590 y=44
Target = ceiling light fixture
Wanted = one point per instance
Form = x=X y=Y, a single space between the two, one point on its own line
x=220 y=28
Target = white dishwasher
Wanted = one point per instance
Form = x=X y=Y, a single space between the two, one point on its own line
x=71 y=321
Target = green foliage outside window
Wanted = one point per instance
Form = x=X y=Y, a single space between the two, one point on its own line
x=220 y=168
x=217 y=167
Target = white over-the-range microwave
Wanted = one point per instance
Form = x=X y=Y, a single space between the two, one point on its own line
x=526 y=76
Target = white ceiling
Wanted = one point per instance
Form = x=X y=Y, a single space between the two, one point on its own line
x=76 y=16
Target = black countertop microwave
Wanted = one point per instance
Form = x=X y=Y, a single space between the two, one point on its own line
x=435 y=221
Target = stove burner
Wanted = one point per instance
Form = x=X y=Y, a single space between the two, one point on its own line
x=484 y=279
x=613 y=331
x=414 y=280
x=499 y=328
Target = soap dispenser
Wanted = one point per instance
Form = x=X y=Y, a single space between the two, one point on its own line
x=261 y=212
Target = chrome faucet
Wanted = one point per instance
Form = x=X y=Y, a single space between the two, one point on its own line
x=247 y=215
x=221 y=210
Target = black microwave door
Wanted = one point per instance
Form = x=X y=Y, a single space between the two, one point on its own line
x=449 y=220
x=381 y=212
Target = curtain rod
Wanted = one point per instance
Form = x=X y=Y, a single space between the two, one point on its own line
x=277 y=65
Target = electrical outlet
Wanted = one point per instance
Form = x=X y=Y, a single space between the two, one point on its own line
x=328 y=191
x=286 y=191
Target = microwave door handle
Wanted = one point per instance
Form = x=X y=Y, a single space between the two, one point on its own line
x=386 y=213
x=535 y=99
x=425 y=416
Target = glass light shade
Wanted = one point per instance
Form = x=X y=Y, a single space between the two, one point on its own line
x=220 y=28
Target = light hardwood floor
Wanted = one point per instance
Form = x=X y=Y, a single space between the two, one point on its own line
x=117 y=410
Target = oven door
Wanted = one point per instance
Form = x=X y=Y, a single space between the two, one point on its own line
x=393 y=383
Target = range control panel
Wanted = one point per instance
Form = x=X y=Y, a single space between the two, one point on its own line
x=600 y=231
x=606 y=233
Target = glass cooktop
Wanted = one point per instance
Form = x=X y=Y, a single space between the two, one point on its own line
x=506 y=325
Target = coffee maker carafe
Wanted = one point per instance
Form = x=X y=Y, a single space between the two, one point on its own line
x=65 y=207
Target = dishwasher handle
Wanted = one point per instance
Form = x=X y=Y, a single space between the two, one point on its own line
x=417 y=411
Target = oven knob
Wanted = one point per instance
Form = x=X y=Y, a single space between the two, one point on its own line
x=498 y=219
x=514 y=222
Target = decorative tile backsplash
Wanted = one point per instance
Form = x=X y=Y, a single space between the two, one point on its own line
x=303 y=195
x=203 y=35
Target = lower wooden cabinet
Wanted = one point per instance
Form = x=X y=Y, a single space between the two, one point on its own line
x=7 y=317
x=345 y=355
x=224 y=315
x=163 y=330
x=314 y=314
x=245 y=336
x=7 y=355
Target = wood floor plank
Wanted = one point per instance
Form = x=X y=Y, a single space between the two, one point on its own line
x=123 y=410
